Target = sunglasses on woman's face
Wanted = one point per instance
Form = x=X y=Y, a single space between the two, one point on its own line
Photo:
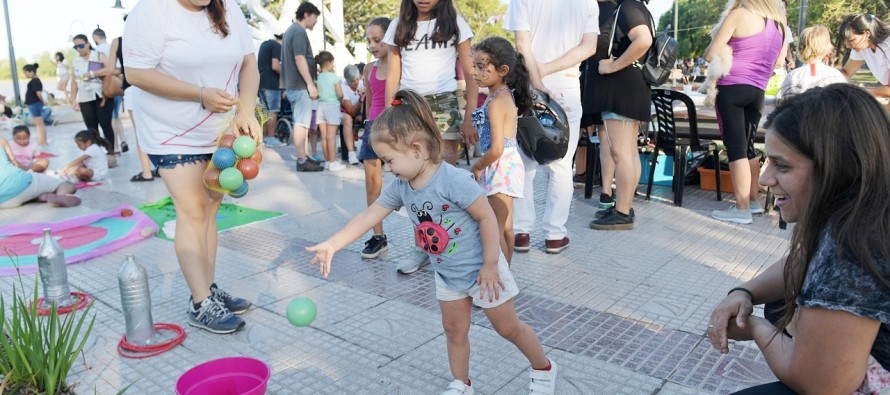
x=79 y=46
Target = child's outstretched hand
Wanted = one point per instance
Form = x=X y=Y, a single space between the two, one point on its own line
x=324 y=253
x=489 y=280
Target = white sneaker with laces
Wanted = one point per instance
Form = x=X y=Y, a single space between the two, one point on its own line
x=353 y=159
x=733 y=214
x=413 y=262
x=755 y=207
x=458 y=387
x=543 y=381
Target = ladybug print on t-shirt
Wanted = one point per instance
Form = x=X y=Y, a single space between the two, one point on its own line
x=432 y=236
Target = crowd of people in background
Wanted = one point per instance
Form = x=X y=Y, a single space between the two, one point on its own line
x=406 y=113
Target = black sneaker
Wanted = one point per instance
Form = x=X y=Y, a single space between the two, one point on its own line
x=608 y=211
x=614 y=221
x=375 y=246
x=234 y=304
x=213 y=316
x=578 y=180
x=309 y=165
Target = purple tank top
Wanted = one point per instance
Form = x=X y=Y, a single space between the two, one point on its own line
x=753 y=57
x=378 y=94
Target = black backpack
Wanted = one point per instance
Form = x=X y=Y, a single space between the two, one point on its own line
x=659 y=60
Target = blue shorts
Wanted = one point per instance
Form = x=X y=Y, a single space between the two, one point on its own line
x=115 y=112
x=36 y=109
x=271 y=99
x=366 y=152
x=173 y=160
x=618 y=117
x=301 y=106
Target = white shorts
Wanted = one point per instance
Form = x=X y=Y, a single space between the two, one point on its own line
x=128 y=99
x=445 y=294
x=328 y=113
x=40 y=184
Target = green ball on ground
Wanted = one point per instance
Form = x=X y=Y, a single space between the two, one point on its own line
x=231 y=179
x=244 y=146
x=301 y=311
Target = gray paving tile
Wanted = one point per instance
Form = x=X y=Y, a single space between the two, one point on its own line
x=706 y=369
x=391 y=328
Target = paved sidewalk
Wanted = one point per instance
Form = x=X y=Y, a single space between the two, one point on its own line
x=622 y=312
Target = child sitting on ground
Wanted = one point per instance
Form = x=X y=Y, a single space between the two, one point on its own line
x=93 y=164
x=456 y=227
x=815 y=46
x=26 y=151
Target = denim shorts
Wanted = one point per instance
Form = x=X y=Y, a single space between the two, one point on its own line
x=173 y=160
x=366 y=152
x=607 y=115
x=36 y=109
x=271 y=99
x=115 y=112
x=301 y=106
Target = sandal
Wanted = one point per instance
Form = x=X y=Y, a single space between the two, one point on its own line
x=124 y=146
x=139 y=178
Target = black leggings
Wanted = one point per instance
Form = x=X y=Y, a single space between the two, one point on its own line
x=95 y=115
x=739 y=110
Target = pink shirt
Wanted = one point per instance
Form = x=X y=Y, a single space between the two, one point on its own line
x=24 y=154
x=378 y=94
x=753 y=57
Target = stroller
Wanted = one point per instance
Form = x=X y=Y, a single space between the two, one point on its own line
x=285 y=126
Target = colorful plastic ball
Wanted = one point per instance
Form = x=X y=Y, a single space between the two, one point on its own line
x=211 y=177
x=241 y=191
x=257 y=156
x=227 y=140
x=301 y=311
x=230 y=179
x=249 y=168
x=126 y=212
x=244 y=146
x=224 y=158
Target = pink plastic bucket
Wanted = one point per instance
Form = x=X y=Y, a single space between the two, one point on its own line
x=225 y=376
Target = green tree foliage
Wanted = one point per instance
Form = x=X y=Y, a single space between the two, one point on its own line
x=697 y=18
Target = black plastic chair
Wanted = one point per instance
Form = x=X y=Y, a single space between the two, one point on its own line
x=667 y=141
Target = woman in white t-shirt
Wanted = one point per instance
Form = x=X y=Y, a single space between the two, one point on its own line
x=63 y=71
x=869 y=40
x=86 y=88
x=193 y=62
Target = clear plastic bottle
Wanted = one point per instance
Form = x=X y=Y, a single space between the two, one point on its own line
x=53 y=272
x=136 y=302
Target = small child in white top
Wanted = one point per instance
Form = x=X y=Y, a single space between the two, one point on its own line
x=815 y=46
x=93 y=164
x=26 y=151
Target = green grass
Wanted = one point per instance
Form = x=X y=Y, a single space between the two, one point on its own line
x=866 y=78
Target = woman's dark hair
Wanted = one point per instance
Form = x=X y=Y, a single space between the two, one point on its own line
x=878 y=30
x=843 y=130
x=408 y=121
x=31 y=68
x=20 y=128
x=383 y=22
x=92 y=135
x=501 y=53
x=323 y=57
x=306 y=8
x=60 y=57
x=445 y=29
x=83 y=38
x=216 y=10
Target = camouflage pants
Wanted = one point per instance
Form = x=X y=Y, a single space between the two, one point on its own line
x=447 y=114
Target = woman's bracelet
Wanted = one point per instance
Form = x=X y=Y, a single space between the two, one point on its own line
x=201 y=97
x=745 y=290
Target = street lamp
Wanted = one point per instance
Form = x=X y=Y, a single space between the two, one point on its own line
x=15 y=75
x=118 y=5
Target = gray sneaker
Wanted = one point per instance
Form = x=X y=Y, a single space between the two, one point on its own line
x=309 y=165
x=415 y=260
x=213 y=316
x=272 y=141
x=755 y=207
x=732 y=214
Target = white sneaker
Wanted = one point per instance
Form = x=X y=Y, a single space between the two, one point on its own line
x=733 y=214
x=415 y=260
x=335 y=166
x=458 y=387
x=755 y=207
x=353 y=159
x=543 y=381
